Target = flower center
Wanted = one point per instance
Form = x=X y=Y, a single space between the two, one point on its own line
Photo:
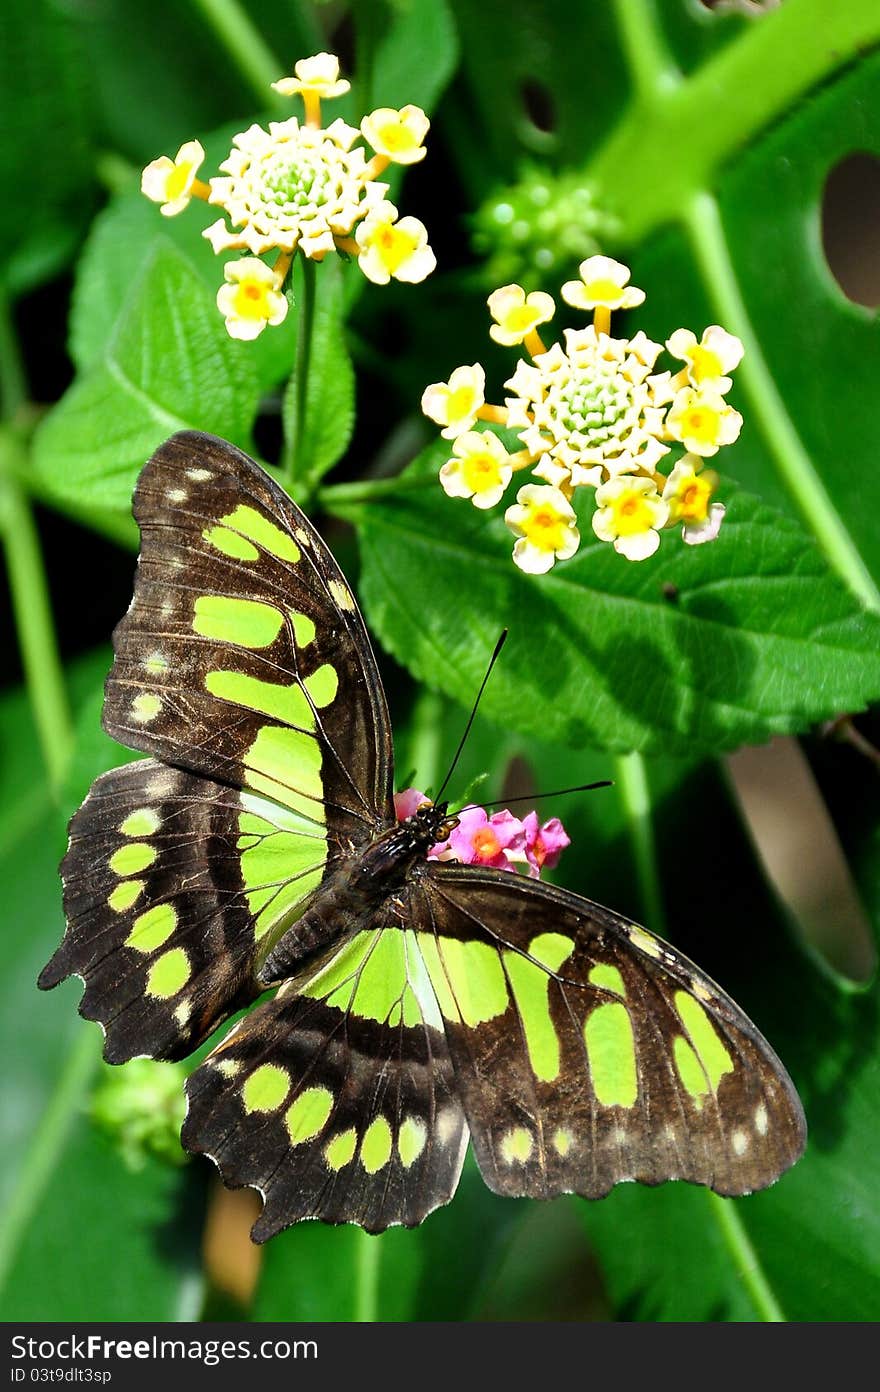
x=459 y=403
x=394 y=247
x=701 y=424
x=632 y=514
x=521 y=318
x=396 y=136
x=605 y=291
x=704 y=363
x=485 y=843
x=693 y=499
x=251 y=300
x=545 y=529
x=481 y=471
x=294 y=180
x=178 y=180
x=593 y=402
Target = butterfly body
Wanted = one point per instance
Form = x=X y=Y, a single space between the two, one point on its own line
x=419 y=1004
x=351 y=894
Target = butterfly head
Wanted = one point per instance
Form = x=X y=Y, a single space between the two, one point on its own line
x=432 y=822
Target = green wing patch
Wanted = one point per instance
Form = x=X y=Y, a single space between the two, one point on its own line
x=243 y=657
x=587 y=1052
x=172 y=885
x=336 y=1100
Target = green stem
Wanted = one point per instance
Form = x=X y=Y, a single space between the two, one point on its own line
x=43 y=672
x=336 y=497
x=42 y=1157
x=706 y=232
x=651 y=66
x=245 y=46
x=366 y=1294
x=745 y=1259
x=425 y=742
x=731 y=98
x=631 y=781
x=13 y=379
x=294 y=463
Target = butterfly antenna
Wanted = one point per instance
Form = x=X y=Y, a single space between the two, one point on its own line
x=557 y=792
x=467 y=729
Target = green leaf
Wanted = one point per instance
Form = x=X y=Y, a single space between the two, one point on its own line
x=46 y=137
x=315 y=1272
x=416 y=54
x=170 y=365
x=131 y=231
x=328 y=417
x=758 y=638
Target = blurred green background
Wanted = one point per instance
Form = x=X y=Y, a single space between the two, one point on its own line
x=731 y=155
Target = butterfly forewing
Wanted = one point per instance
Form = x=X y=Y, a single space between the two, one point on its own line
x=337 y=1099
x=244 y=666
x=587 y=1052
x=243 y=656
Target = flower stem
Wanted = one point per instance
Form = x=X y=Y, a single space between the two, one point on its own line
x=631 y=780
x=42 y=1157
x=745 y=1259
x=366 y=1293
x=650 y=63
x=336 y=497
x=29 y=590
x=795 y=467
x=13 y=380
x=294 y=460
x=245 y=46
x=744 y=88
x=35 y=627
x=425 y=735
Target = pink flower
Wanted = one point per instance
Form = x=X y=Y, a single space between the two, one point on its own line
x=543 y=844
x=482 y=840
x=407 y=802
x=501 y=841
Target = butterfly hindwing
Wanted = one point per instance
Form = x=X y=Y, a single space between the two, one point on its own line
x=171 y=883
x=337 y=1099
x=243 y=656
x=587 y=1052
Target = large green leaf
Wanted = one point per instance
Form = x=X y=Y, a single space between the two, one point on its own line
x=169 y=365
x=129 y=233
x=759 y=637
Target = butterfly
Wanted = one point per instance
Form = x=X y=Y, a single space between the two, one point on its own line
x=416 y=1003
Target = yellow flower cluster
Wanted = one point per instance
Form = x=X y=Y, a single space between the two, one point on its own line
x=592 y=413
x=298 y=187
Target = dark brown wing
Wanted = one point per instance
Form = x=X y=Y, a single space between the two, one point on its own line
x=244 y=657
x=587 y=1051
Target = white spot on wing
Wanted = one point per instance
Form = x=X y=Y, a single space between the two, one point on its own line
x=342 y=594
x=761 y=1120
x=199 y=475
x=740 y=1142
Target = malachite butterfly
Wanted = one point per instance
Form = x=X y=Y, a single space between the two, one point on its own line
x=417 y=1004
